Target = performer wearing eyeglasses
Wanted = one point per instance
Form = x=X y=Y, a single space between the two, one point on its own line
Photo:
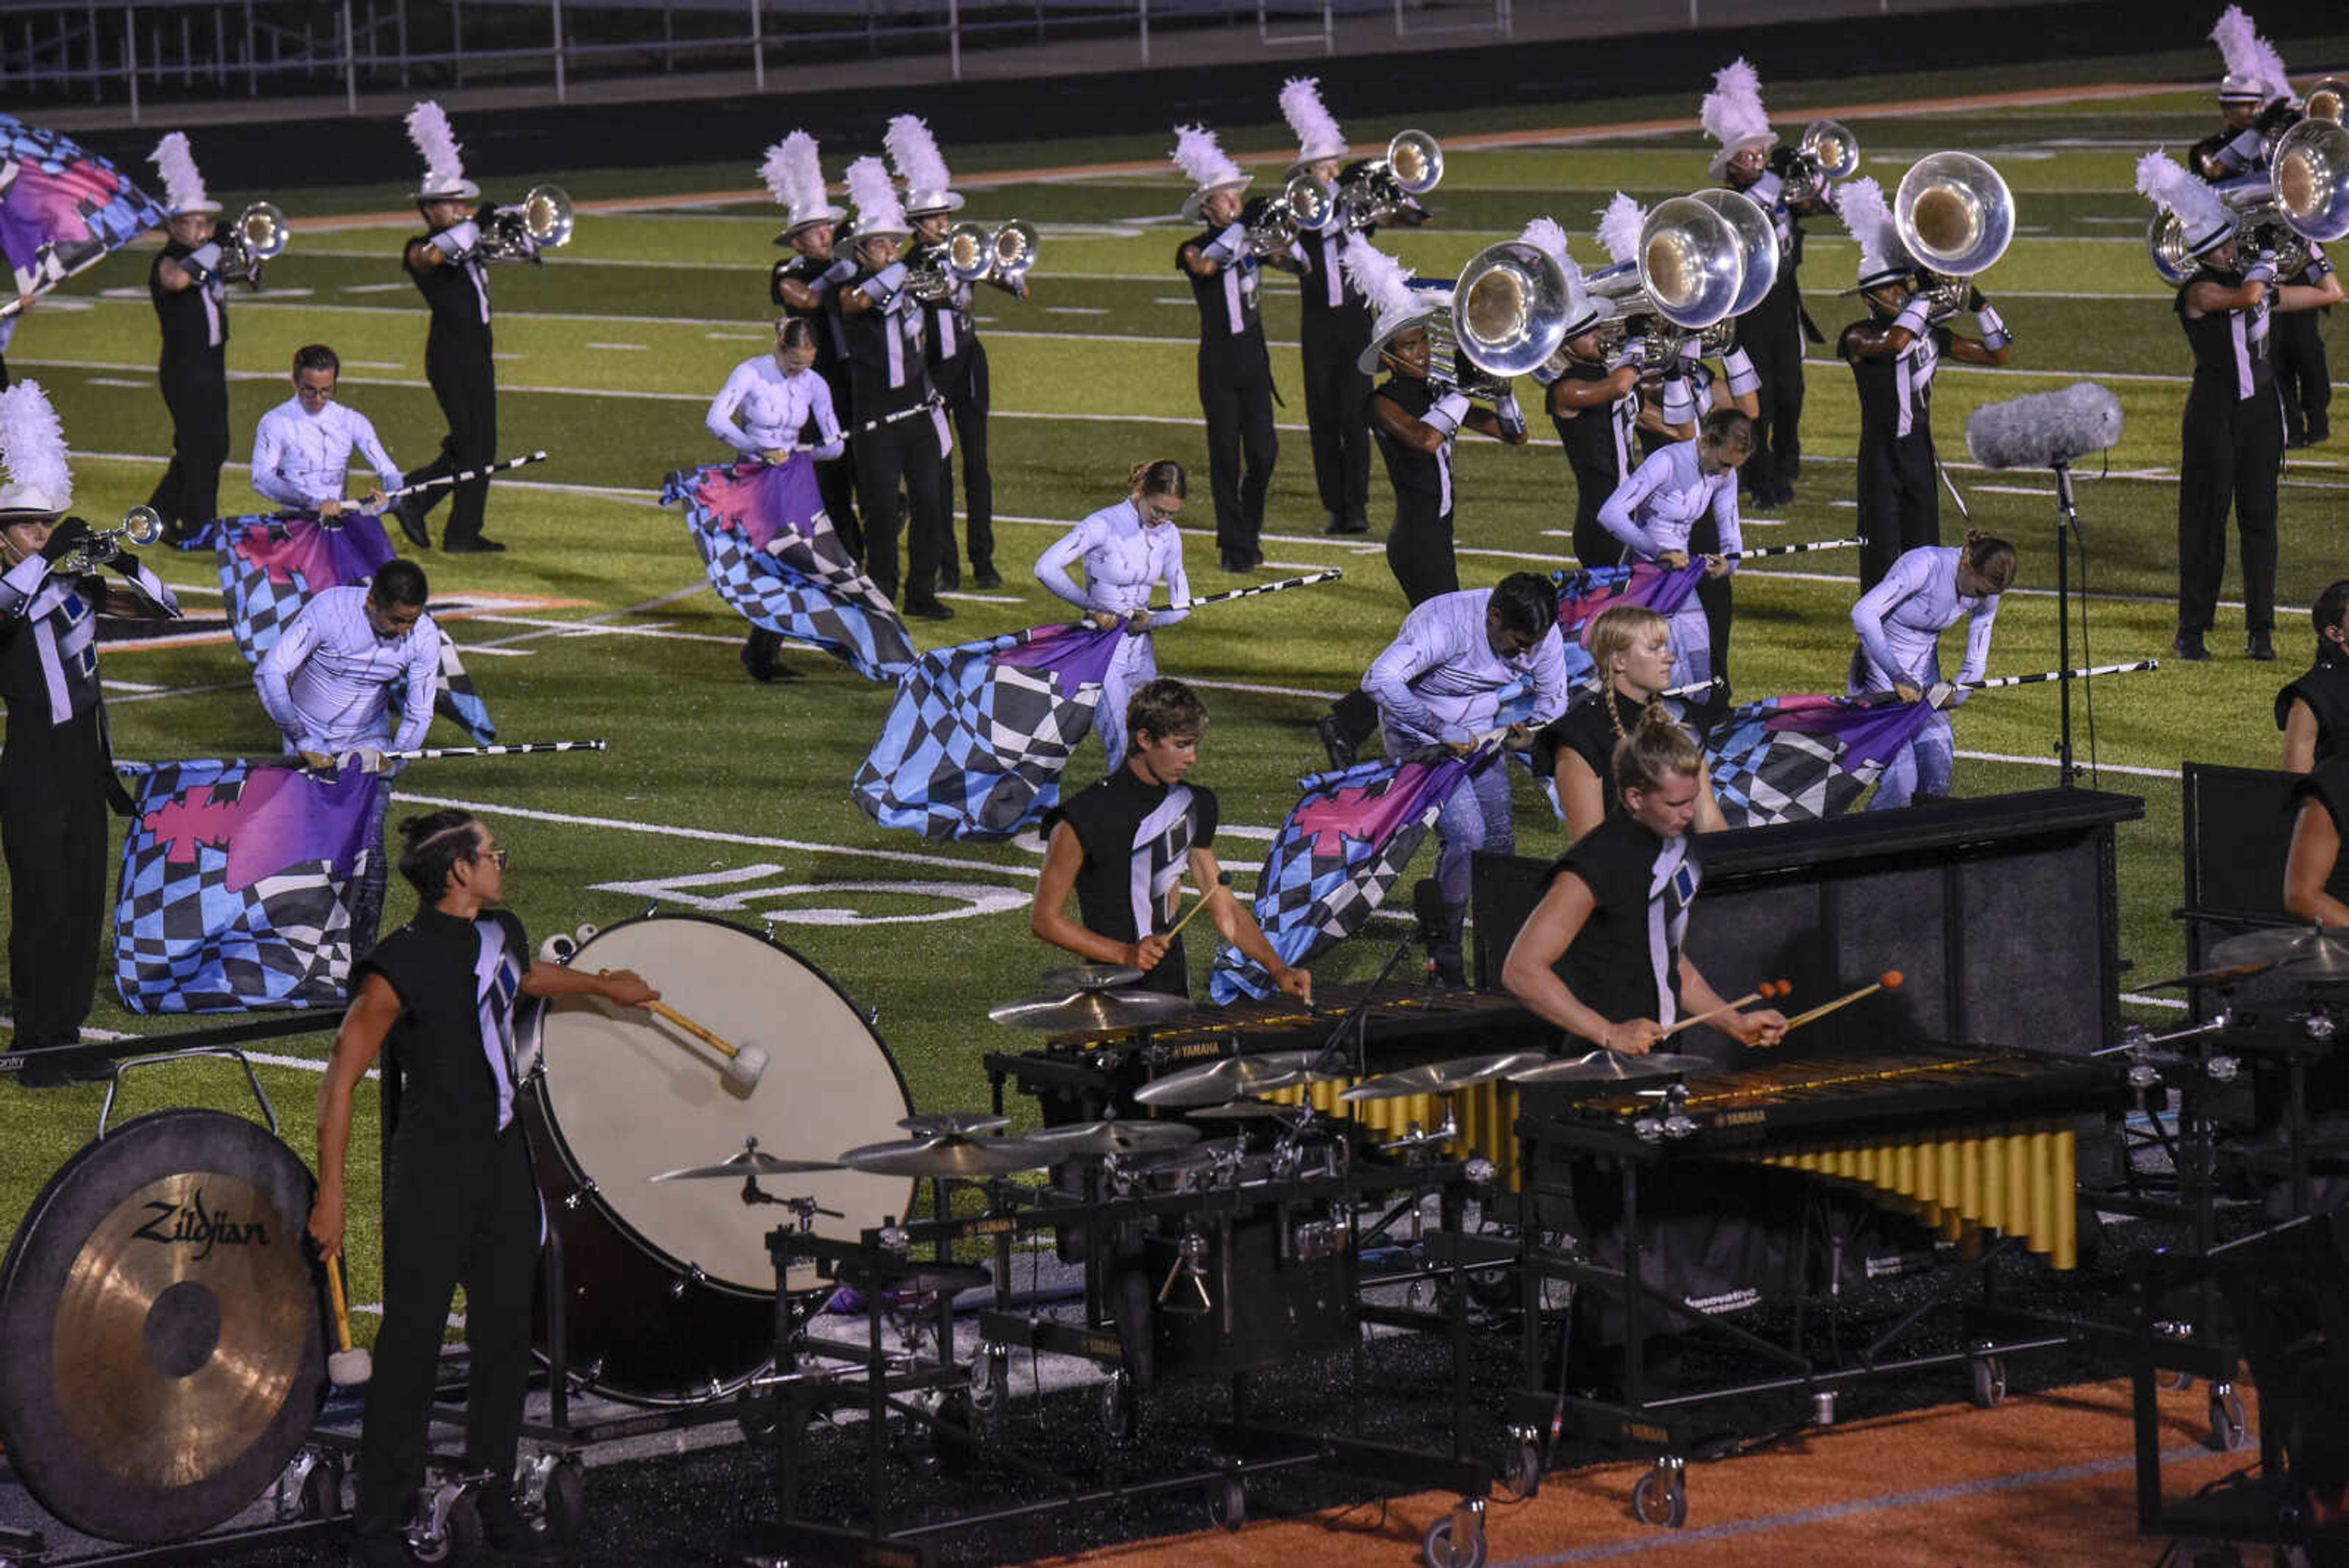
x=302 y=447
x=1128 y=548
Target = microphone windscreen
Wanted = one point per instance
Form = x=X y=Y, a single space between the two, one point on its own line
x=2044 y=429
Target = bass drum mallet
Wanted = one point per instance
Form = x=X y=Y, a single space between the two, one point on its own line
x=348 y=1368
x=744 y=1064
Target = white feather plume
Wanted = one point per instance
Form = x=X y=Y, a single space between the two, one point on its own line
x=1201 y=156
x=33 y=445
x=1861 y=206
x=1732 y=112
x=1545 y=235
x=792 y=172
x=874 y=198
x=183 y=183
x=1316 y=128
x=2271 y=71
x=428 y=127
x=2247 y=55
x=2162 y=180
x=1382 y=280
x=914 y=152
x=1619 y=223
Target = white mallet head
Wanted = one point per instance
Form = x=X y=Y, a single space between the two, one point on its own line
x=350 y=1368
x=745 y=1066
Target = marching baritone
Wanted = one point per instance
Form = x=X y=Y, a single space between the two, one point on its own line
x=2313 y=711
x=191 y=299
x=802 y=285
x=436 y=1000
x=958 y=360
x=1658 y=508
x=302 y=447
x=1128 y=548
x=57 y=772
x=1122 y=844
x=1593 y=400
x=763 y=412
x=1633 y=647
x=1900 y=620
x=1235 y=366
x=1334 y=322
x=900 y=439
x=2232 y=430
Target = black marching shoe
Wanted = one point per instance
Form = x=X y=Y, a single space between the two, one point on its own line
x=1336 y=526
x=1335 y=740
x=411 y=523
x=477 y=545
x=2258 y=648
x=986 y=576
x=929 y=609
x=759 y=660
x=2187 y=645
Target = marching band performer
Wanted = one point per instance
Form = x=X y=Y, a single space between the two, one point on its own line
x=1235 y=366
x=2232 y=429
x=901 y=432
x=1334 y=322
x=1900 y=620
x=1657 y=509
x=801 y=286
x=1633 y=647
x=1438 y=684
x=1128 y=548
x=447 y=265
x=190 y=300
x=958 y=360
x=1593 y=401
x=302 y=447
x=57 y=772
x=2313 y=711
x=1893 y=356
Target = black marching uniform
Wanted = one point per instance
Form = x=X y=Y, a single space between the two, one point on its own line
x=897 y=440
x=1335 y=328
x=2232 y=436
x=1772 y=334
x=1419 y=543
x=1137 y=838
x=835 y=479
x=194 y=369
x=459 y=1204
x=957 y=362
x=1588 y=730
x=1236 y=395
x=459 y=363
x=1899 y=487
x=1598 y=447
x=2303 y=379
x=2326 y=690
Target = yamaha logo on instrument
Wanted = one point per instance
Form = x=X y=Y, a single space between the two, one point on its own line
x=192 y=1224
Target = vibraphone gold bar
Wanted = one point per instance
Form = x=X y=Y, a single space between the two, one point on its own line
x=1488 y=1114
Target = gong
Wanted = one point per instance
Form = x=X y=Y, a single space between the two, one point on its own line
x=165 y=1356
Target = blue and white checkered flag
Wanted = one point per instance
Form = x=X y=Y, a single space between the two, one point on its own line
x=1801 y=759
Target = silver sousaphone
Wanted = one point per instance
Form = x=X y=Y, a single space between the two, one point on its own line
x=1689 y=274
x=1956 y=216
x=2304 y=197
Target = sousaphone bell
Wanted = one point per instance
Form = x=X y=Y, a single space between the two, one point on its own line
x=1956 y=215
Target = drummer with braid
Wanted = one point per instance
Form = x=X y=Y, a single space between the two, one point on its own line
x=1122 y=844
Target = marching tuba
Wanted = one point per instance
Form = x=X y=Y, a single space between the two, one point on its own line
x=1380 y=191
x=1956 y=215
x=1690 y=273
x=258 y=237
x=543 y=220
x=1510 y=306
x=2302 y=197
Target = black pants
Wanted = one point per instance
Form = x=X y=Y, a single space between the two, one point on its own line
x=1773 y=337
x=836 y=481
x=54 y=844
x=2232 y=449
x=962 y=381
x=1899 y=494
x=1718 y=597
x=2296 y=346
x=1337 y=405
x=457 y=1211
x=464 y=379
x=902 y=453
x=196 y=393
x=1236 y=395
x=1419 y=548
x=1593 y=544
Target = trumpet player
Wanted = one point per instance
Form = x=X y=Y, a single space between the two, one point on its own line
x=1893 y=356
x=191 y=299
x=801 y=286
x=2234 y=427
x=302 y=447
x=1234 y=367
x=57 y=776
x=957 y=360
x=1334 y=323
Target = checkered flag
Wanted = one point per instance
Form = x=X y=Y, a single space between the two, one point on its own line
x=976 y=739
x=1803 y=759
x=66 y=209
x=771 y=553
x=237 y=886
x=1583 y=594
x=1335 y=860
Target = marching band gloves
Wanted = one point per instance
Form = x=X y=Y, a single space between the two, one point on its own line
x=2263 y=268
x=1915 y=315
x=2320 y=266
x=1228 y=246
x=1512 y=417
x=456 y=241
x=883 y=285
x=833 y=276
x=201 y=262
x=1743 y=377
x=1449 y=411
x=1942 y=694
x=63 y=538
x=1992 y=326
x=1680 y=402
x=1768 y=189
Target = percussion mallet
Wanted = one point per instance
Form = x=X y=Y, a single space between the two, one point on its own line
x=744 y=1064
x=1762 y=993
x=1223 y=880
x=1888 y=980
x=347 y=1368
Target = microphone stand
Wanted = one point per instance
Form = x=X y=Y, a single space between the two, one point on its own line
x=2067 y=527
x=1333 y=1057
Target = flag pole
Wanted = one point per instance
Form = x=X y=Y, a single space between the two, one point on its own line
x=2065 y=675
x=1328 y=576
x=1802 y=549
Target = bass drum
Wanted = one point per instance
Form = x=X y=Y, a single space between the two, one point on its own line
x=162 y=1346
x=669 y=1290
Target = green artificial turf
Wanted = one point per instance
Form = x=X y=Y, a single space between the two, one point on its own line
x=610 y=351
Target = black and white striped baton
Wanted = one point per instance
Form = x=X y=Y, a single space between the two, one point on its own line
x=2059 y=675
x=1804 y=549
x=469 y=475
x=520 y=749
x=1330 y=576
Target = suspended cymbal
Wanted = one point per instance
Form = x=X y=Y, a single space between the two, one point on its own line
x=1084 y=1011
x=948 y=1155
x=1203 y=1156
x=749 y=1162
x=936 y=1124
x=2229 y=974
x=1087 y=977
x=1246 y=1110
x=1118 y=1138
x=2305 y=953
x=1616 y=1068
x=1441 y=1077
x=1234 y=1078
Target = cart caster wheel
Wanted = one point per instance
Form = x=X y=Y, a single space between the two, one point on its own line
x=459 y=1539
x=321 y=1492
x=2173 y=1382
x=990 y=1388
x=1989 y=1382
x=1660 y=1498
x=1121 y=1407
x=1521 y=1473
x=566 y=1502
x=757 y=1413
x=2230 y=1428
x=1416 y=1296
x=1227 y=1503
x=955 y=1456
x=1441 y=1548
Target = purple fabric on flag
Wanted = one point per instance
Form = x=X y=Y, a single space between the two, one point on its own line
x=1073 y=651
x=760 y=501
x=1870 y=733
x=281 y=816
x=325 y=556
